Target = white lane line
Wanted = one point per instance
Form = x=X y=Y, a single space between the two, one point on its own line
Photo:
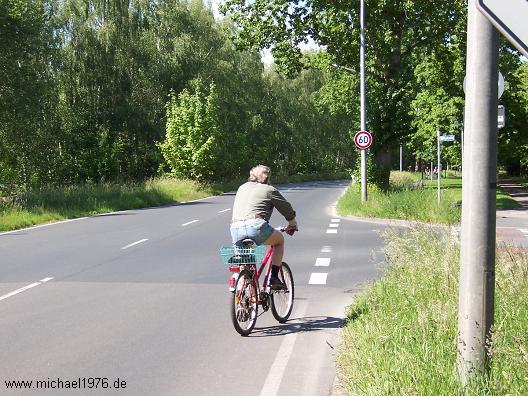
x=333 y=225
x=331 y=231
x=225 y=210
x=45 y=280
x=42 y=226
x=134 y=244
x=326 y=249
x=23 y=289
x=318 y=278
x=335 y=220
x=189 y=222
x=322 y=262
x=273 y=380
x=523 y=230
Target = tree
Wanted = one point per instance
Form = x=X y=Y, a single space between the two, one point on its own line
x=192 y=142
x=399 y=35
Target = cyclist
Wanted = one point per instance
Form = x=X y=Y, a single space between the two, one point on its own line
x=254 y=203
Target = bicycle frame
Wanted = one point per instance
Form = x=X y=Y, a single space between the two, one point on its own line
x=263 y=266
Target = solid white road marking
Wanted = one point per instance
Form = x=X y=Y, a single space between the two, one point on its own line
x=335 y=220
x=276 y=372
x=523 y=230
x=133 y=244
x=322 y=262
x=333 y=225
x=326 y=249
x=42 y=226
x=22 y=289
x=189 y=222
x=318 y=278
x=225 y=210
x=331 y=231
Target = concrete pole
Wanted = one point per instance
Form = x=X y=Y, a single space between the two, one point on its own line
x=477 y=250
x=439 y=162
x=363 y=103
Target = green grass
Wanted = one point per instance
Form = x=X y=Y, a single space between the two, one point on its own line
x=63 y=203
x=420 y=204
x=400 y=334
x=53 y=204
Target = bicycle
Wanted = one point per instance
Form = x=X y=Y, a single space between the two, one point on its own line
x=247 y=294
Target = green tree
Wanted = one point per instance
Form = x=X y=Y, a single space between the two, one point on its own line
x=399 y=35
x=192 y=143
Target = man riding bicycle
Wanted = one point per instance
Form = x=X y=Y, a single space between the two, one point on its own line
x=254 y=203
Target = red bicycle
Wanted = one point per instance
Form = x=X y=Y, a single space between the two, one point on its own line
x=247 y=294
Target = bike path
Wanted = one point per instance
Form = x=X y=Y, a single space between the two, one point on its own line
x=512 y=224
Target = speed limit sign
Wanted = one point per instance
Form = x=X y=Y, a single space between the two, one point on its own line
x=363 y=139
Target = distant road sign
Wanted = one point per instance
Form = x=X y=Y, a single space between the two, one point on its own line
x=510 y=17
x=447 y=138
x=501 y=118
x=363 y=139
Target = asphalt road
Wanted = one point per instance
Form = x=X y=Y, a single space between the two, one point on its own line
x=140 y=297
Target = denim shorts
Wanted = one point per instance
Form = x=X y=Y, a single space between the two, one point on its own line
x=257 y=229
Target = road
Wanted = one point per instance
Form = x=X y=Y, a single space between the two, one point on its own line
x=140 y=297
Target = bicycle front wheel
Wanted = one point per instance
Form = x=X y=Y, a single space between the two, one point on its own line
x=282 y=300
x=244 y=306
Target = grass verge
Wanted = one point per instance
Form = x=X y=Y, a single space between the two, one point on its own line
x=405 y=201
x=400 y=335
x=54 y=204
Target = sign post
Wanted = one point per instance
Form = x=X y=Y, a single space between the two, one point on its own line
x=477 y=237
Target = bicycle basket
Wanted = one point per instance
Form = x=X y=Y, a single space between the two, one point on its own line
x=232 y=255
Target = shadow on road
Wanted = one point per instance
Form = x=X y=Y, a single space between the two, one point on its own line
x=300 y=325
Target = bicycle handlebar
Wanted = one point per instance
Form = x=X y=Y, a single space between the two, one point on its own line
x=285 y=229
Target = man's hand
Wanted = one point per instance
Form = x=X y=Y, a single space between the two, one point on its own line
x=292 y=227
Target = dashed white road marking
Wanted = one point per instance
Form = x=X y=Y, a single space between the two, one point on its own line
x=318 y=278
x=523 y=230
x=331 y=231
x=225 y=210
x=333 y=225
x=335 y=220
x=322 y=262
x=326 y=249
x=276 y=372
x=45 y=280
x=23 y=289
x=134 y=244
x=189 y=222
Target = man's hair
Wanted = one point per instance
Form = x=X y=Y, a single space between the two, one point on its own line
x=260 y=174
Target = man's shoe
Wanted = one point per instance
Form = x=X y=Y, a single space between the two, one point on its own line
x=276 y=283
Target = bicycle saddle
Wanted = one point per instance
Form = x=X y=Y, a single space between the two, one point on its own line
x=248 y=243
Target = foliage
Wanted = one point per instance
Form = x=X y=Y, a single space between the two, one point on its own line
x=399 y=335
x=192 y=144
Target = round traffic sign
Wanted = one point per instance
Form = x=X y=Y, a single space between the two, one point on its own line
x=500 y=86
x=363 y=139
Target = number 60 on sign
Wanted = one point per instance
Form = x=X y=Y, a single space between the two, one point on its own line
x=363 y=139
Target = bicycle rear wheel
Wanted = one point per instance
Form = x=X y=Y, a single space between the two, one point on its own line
x=282 y=300
x=244 y=306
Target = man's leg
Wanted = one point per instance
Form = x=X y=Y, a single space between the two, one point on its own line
x=277 y=241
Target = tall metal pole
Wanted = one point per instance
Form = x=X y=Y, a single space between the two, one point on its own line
x=477 y=250
x=439 y=166
x=401 y=156
x=363 y=103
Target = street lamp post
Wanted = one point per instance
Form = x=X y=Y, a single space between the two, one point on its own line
x=363 y=111
x=363 y=102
